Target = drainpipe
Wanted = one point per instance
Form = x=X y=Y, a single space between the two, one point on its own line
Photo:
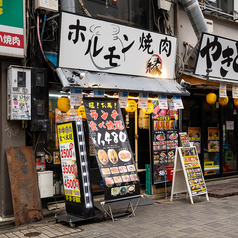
x=68 y=5
x=195 y=16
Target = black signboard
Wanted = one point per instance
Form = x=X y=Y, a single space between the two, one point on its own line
x=165 y=140
x=112 y=148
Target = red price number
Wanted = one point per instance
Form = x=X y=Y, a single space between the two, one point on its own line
x=66 y=153
x=68 y=169
x=71 y=183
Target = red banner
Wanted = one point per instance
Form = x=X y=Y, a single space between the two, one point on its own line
x=11 y=40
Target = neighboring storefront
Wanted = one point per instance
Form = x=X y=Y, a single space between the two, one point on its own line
x=210 y=113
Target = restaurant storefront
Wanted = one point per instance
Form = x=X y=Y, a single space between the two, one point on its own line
x=210 y=113
x=97 y=63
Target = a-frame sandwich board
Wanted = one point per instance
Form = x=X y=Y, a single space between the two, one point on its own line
x=188 y=176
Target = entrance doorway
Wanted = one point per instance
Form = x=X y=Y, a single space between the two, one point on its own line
x=217 y=126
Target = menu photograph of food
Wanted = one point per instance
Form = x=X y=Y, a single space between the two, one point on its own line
x=112 y=148
x=193 y=170
x=184 y=139
x=213 y=133
x=194 y=134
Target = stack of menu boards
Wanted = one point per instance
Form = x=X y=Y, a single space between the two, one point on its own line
x=165 y=141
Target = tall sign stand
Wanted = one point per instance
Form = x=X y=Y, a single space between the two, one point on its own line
x=188 y=176
x=113 y=152
x=75 y=171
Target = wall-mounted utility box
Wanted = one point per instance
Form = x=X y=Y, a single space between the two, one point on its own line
x=45 y=181
x=18 y=93
x=39 y=100
x=48 y=5
x=209 y=26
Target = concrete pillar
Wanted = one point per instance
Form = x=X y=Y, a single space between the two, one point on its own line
x=11 y=135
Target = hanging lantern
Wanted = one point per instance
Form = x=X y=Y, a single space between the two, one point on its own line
x=223 y=101
x=131 y=106
x=81 y=112
x=149 y=109
x=211 y=98
x=236 y=102
x=63 y=104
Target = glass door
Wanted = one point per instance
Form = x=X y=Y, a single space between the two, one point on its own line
x=211 y=139
x=229 y=138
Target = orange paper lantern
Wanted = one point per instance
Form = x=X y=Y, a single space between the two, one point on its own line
x=211 y=98
x=149 y=109
x=223 y=101
x=236 y=102
x=63 y=104
x=81 y=112
x=131 y=106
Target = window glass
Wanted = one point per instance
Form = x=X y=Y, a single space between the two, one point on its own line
x=129 y=12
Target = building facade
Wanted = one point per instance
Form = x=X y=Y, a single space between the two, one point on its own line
x=38 y=48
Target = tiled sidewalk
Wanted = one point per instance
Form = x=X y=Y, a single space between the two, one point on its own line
x=214 y=219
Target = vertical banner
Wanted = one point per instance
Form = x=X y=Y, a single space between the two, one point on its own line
x=75 y=97
x=143 y=100
x=234 y=91
x=68 y=162
x=112 y=148
x=163 y=102
x=222 y=91
x=123 y=97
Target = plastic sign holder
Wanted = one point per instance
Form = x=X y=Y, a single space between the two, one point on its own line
x=188 y=176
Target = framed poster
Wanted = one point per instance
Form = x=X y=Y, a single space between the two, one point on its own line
x=213 y=139
x=194 y=134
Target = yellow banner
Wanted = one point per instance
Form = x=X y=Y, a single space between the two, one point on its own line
x=65 y=133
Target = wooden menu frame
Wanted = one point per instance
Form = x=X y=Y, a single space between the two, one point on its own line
x=188 y=176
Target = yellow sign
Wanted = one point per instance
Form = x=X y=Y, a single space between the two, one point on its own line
x=65 y=133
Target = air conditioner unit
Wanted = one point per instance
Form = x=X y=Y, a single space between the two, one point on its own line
x=48 y=5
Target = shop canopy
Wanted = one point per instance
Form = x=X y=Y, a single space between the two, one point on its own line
x=85 y=80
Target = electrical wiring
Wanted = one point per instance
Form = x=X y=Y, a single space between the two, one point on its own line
x=154 y=18
x=48 y=161
x=38 y=35
x=180 y=70
x=85 y=11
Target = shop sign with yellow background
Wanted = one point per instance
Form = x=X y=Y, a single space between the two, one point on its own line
x=68 y=162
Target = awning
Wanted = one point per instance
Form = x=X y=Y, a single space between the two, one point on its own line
x=85 y=80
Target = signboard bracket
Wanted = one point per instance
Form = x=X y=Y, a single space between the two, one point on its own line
x=124 y=214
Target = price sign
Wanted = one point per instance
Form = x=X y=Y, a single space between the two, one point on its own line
x=68 y=162
x=112 y=148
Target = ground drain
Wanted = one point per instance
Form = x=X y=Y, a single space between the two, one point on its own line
x=32 y=234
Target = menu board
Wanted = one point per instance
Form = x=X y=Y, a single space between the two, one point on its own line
x=184 y=141
x=194 y=134
x=165 y=139
x=193 y=170
x=68 y=162
x=213 y=139
x=112 y=148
